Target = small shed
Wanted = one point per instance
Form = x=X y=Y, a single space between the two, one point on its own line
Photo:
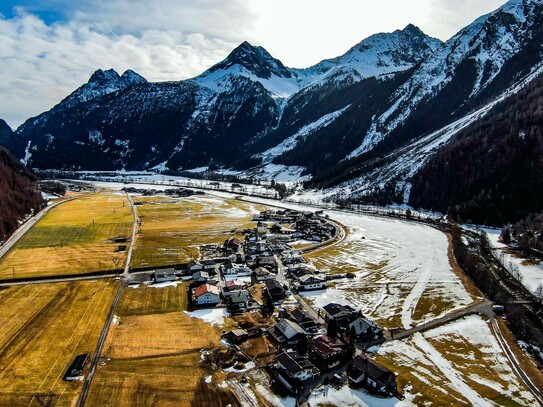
x=76 y=368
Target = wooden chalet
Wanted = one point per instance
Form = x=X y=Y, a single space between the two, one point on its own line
x=367 y=373
x=364 y=330
x=342 y=315
x=293 y=370
x=286 y=332
x=327 y=352
x=274 y=290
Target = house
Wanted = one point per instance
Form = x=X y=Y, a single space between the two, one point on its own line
x=237 y=300
x=267 y=261
x=232 y=245
x=206 y=294
x=208 y=265
x=195 y=266
x=310 y=282
x=292 y=370
x=261 y=228
x=303 y=319
x=369 y=374
x=364 y=330
x=327 y=352
x=275 y=290
x=233 y=285
x=262 y=274
x=297 y=235
x=236 y=336
x=342 y=315
x=76 y=368
x=201 y=277
x=287 y=332
x=162 y=276
x=233 y=269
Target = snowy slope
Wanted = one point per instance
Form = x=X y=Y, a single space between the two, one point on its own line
x=486 y=45
x=408 y=160
x=377 y=55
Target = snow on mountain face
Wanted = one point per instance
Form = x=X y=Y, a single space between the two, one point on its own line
x=377 y=55
x=487 y=44
x=254 y=63
x=102 y=83
x=291 y=142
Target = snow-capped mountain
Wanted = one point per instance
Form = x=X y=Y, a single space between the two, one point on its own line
x=342 y=119
x=377 y=55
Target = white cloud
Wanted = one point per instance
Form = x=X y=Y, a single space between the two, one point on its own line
x=43 y=64
x=177 y=39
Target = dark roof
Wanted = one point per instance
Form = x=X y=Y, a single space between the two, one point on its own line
x=238 y=296
x=293 y=362
x=362 y=325
x=373 y=369
x=289 y=328
x=335 y=309
x=273 y=285
x=299 y=316
x=326 y=345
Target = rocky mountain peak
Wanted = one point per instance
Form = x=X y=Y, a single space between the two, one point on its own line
x=256 y=60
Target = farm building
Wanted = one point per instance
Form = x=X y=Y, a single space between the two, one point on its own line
x=163 y=276
x=76 y=368
x=236 y=336
x=206 y=294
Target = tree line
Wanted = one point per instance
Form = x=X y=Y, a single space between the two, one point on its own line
x=19 y=194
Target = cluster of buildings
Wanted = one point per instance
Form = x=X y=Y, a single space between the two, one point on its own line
x=328 y=347
x=310 y=346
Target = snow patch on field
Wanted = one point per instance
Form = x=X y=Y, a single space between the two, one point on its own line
x=212 y=316
x=532 y=274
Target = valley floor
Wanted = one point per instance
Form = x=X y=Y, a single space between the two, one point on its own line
x=404 y=276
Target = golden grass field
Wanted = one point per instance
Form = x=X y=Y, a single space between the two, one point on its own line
x=152 y=355
x=71 y=239
x=43 y=328
x=173 y=228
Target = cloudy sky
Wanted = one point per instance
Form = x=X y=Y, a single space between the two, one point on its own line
x=50 y=47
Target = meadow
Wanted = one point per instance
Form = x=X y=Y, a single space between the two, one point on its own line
x=152 y=354
x=43 y=328
x=172 y=229
x=72 y=238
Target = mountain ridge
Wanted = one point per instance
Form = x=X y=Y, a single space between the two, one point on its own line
x=336 y=120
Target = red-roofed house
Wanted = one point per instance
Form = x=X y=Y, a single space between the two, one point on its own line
x=206 y=294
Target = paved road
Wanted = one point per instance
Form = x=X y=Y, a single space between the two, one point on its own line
x=484 y=307
x=25 y=227
x=536 y=392
x=133 y=239
x=94 y=361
